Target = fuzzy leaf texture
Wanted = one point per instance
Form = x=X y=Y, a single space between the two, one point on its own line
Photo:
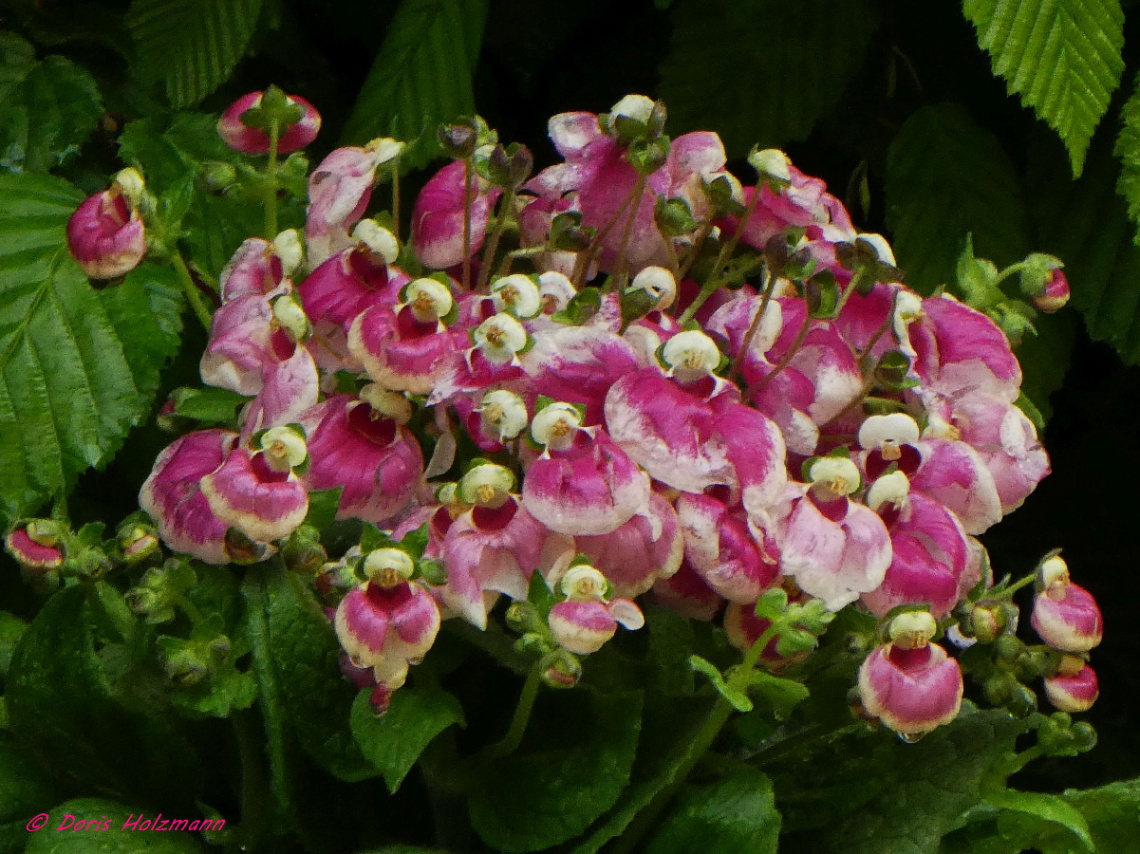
x=191 y=46
x=78 y=367
x=946 y=178
x=50 y=108
x=778 y=67
x=1061 y=56
x=421 y=77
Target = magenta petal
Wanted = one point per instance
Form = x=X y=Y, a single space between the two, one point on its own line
x=361 y=626
x=579 y=364
x=414 y=617
x=250 y=140
x=289 y=388
x=581 y=627
x=911 y=691
x=172 y=495
x=106 y=236
x=263 y=504
x=638 y=553
x=412 y=363
x=339 y=190
x=254 y=270
x=437 y=219
x=348 y=283
x=953 y=474
x=1068 y=620
x=1007 y=441
x=960 y=349
x=1073 y=694
x=239 y=345
x=686 y=593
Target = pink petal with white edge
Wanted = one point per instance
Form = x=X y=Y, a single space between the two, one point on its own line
x=339 y=190
x=246 y=494
x=239 y=345
x=834 y=561
x=960 y=349
x=572 y=132
x=377 y=462
x=105 y=235
x=398 y=353
x=912 y=691
x=721 y=548
x=581 y=627
x=669 y=432
x=254 y=270
x=1007 y=441
x=1073 y=694
x=755 y=448
x=592 y=487
x=634 y=556
x=1068 y=618
x=953 y=474
x=172 y=495
x=579 y=364
x=289 y=388
x=348 y=283
x=438 y=217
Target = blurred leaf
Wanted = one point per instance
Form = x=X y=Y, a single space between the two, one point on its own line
x=25 y=787
x=394 y=741
x=113 y=840
x=1061 y=56
x=735 y=816
x=191 y=46
x=1128 y=150
x=208 y=404
x=946 y=178
x=421 y=77
x=66 y=711
x=50 y=108
x=11 y=627
x=762 y=72
x=871 y=793
x=565 y=777
x=78 y=367
x=1050 y=812
x=1084 y=222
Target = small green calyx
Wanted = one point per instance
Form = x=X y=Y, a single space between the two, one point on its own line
x=274 y=110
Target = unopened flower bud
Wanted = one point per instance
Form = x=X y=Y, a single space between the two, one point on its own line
x=987 y=622
x=1071 y=691
x=37 y=545
x=561 y=669
x=245 y=125
x=458 y=140
x=1065 y=615
x=303 y=551
x=105 y=235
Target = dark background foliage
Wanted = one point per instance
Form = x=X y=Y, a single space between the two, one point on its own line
x=834 y=83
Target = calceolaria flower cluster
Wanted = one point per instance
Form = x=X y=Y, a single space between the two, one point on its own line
x=629 y=376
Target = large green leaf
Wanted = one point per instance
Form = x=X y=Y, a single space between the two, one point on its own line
x=1061 y=56
x=78 y=367
x=946 y=178
x=872 y=794
x=191 y=46
x=1085 y=224
x=421 y=76
x=113 y=830
x=767 y=71
x=50 y=108
x=395 y=741
x=1128 y=150
x=565 y=777
x=734 y=816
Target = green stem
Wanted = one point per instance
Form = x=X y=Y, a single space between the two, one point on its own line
x=492 y=246
x=746 y=342
x=701 y=742
x=188 y=608
x=271 y=184
x=396 y=197
x=515 y=731
x=254 y=786
x=619 y=265
x=467 y=201
x=190 y=288
x=1017 y=585
x=1009 y=271
x=695 y=249
x=586 y=256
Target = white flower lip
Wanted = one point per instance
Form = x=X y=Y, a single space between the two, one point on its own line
x=386 y=149
x=838 y=473
x=487 y=485
x=284 y=447
x=288 y=248
x=500 y=337
x=771 y=161
x=388 y=566
x=659 y=284
x=377 y=238
x=1054 y=570
x=288 y=312
x=891 y=488
x=131 y=183
x=555 y=288
x=505 y=411
x=583 y=583
x=518 y=294
x=692 y=353
x=554 y=426
x=881 y=246
x=429 y=299
x=391 y=404
x=636 y=107
x=898 y=428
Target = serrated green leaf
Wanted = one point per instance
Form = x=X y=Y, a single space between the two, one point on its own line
x=191 y=46
x=553 y=788
x=946 y=178
x=50 y=109
x=78 y=367
x=1128 y=150
x=395 y=741
x=872 y=794
x=421 y=77
x=735 y=816
x=778 y=67
x=1061 y=56
x=59 y=836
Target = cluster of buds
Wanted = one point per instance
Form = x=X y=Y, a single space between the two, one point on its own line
x=1067 y=618
x=678 y=387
